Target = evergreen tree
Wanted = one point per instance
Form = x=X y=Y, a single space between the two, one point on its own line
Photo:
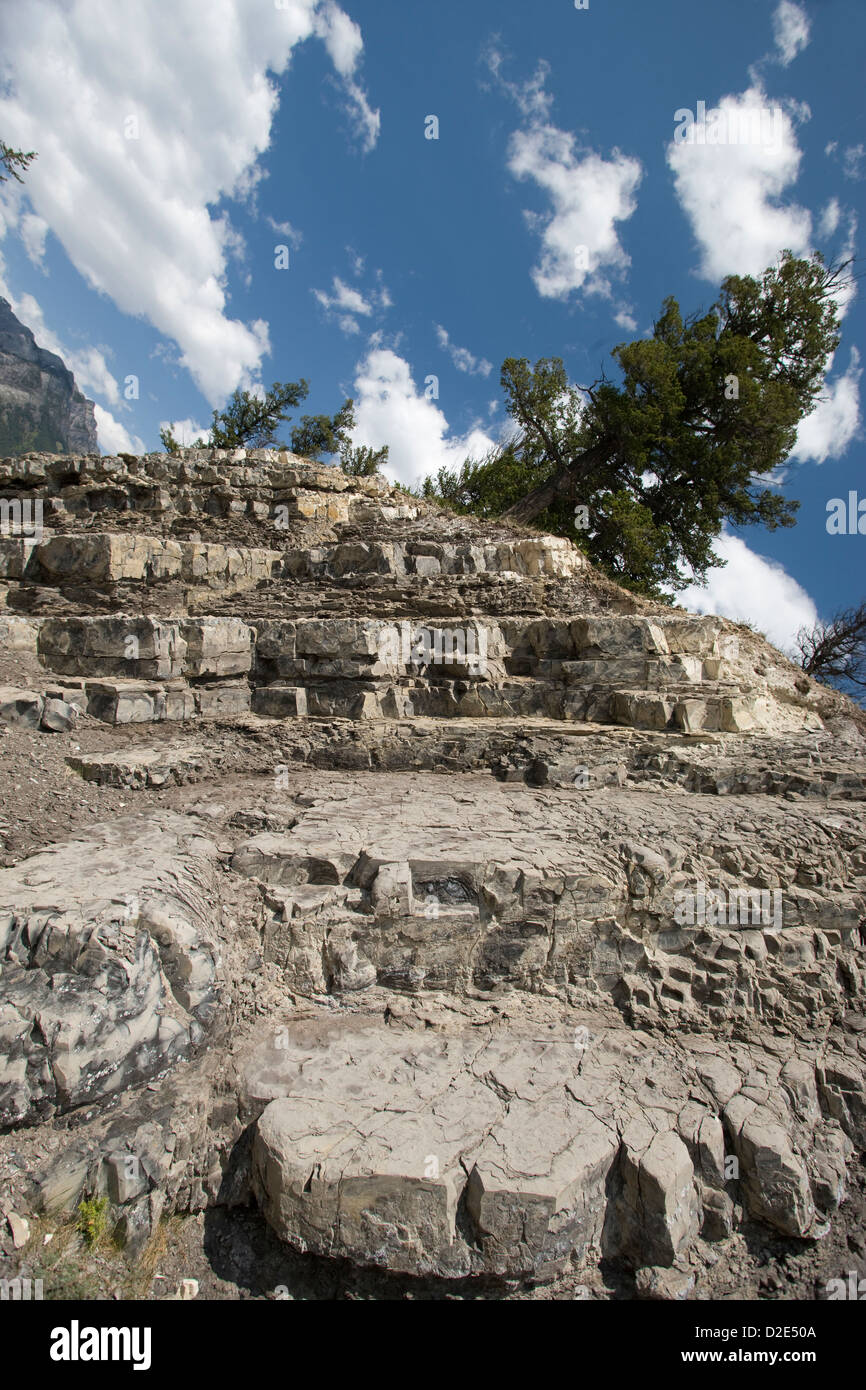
x=642 y=473
x=251 y=421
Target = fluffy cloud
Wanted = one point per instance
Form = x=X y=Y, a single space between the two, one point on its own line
x=580 y=247
x=341 y=36
x=830 y=218
x=140 y=133
x=114 y=438
x=752 y=589
x=623 y=319
x=588 y=194
x=346 y=303
x=834 y=422
x=790 y=30
x=33 y=233
x=342 y=39
x=731 y=191
x=186 y=432
x=31 y=229
x=463 y=359
x=389 y=409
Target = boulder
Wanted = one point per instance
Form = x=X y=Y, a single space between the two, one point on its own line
x=22 y=707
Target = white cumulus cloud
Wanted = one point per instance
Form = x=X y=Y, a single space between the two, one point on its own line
x=33 y=233
x=344 y=298
x=342 y=39
x=186 y=432
x=589 y=195
x=732 y=192
x=752 y=589
x=114 y=437
x=830 y=218
x=790 y=30
x=834 y=422
x=390 y=409
x=144 y=117
x=348 y=304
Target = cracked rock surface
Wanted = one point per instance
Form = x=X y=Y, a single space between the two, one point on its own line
x=109 y=965
x=517 y=1149
x=389 y=902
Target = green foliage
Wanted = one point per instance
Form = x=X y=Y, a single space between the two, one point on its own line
x=323 y=434
x=92 y=1219
x=13 y=160
x=484 y=486
x=251 y=421
x=704 y=408
x=360 y=461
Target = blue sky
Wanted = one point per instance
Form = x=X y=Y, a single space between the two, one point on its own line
x=180 y=145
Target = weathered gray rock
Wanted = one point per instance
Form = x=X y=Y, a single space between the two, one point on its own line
x=107 y=978
x=664 y=1285
x=40 y=405
x=472 y=885
x=495 y=1150
x=659 y=1206
x=58 y=717
x=141 y=767
x=522 y=916
x=775 y=1183
x=21 y=707
x=216 y=647
x=117 y=646
x=449 y=1138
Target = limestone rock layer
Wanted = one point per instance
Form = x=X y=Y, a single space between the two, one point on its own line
x=466 y=915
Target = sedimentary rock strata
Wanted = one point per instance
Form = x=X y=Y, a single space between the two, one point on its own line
x=462 y=914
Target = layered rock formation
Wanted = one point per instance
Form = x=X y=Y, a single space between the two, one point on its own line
x=40 y=405
x=487 y=921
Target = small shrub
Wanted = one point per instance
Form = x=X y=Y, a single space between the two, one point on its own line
x=92 y=1219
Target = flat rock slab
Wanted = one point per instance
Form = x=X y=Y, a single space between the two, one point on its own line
x=517 y=1148
x=394 y=1149
x=141 y=767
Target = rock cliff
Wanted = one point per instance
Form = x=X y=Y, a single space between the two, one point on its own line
x=40 y=405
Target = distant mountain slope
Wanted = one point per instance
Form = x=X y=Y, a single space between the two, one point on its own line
x=41 y=408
